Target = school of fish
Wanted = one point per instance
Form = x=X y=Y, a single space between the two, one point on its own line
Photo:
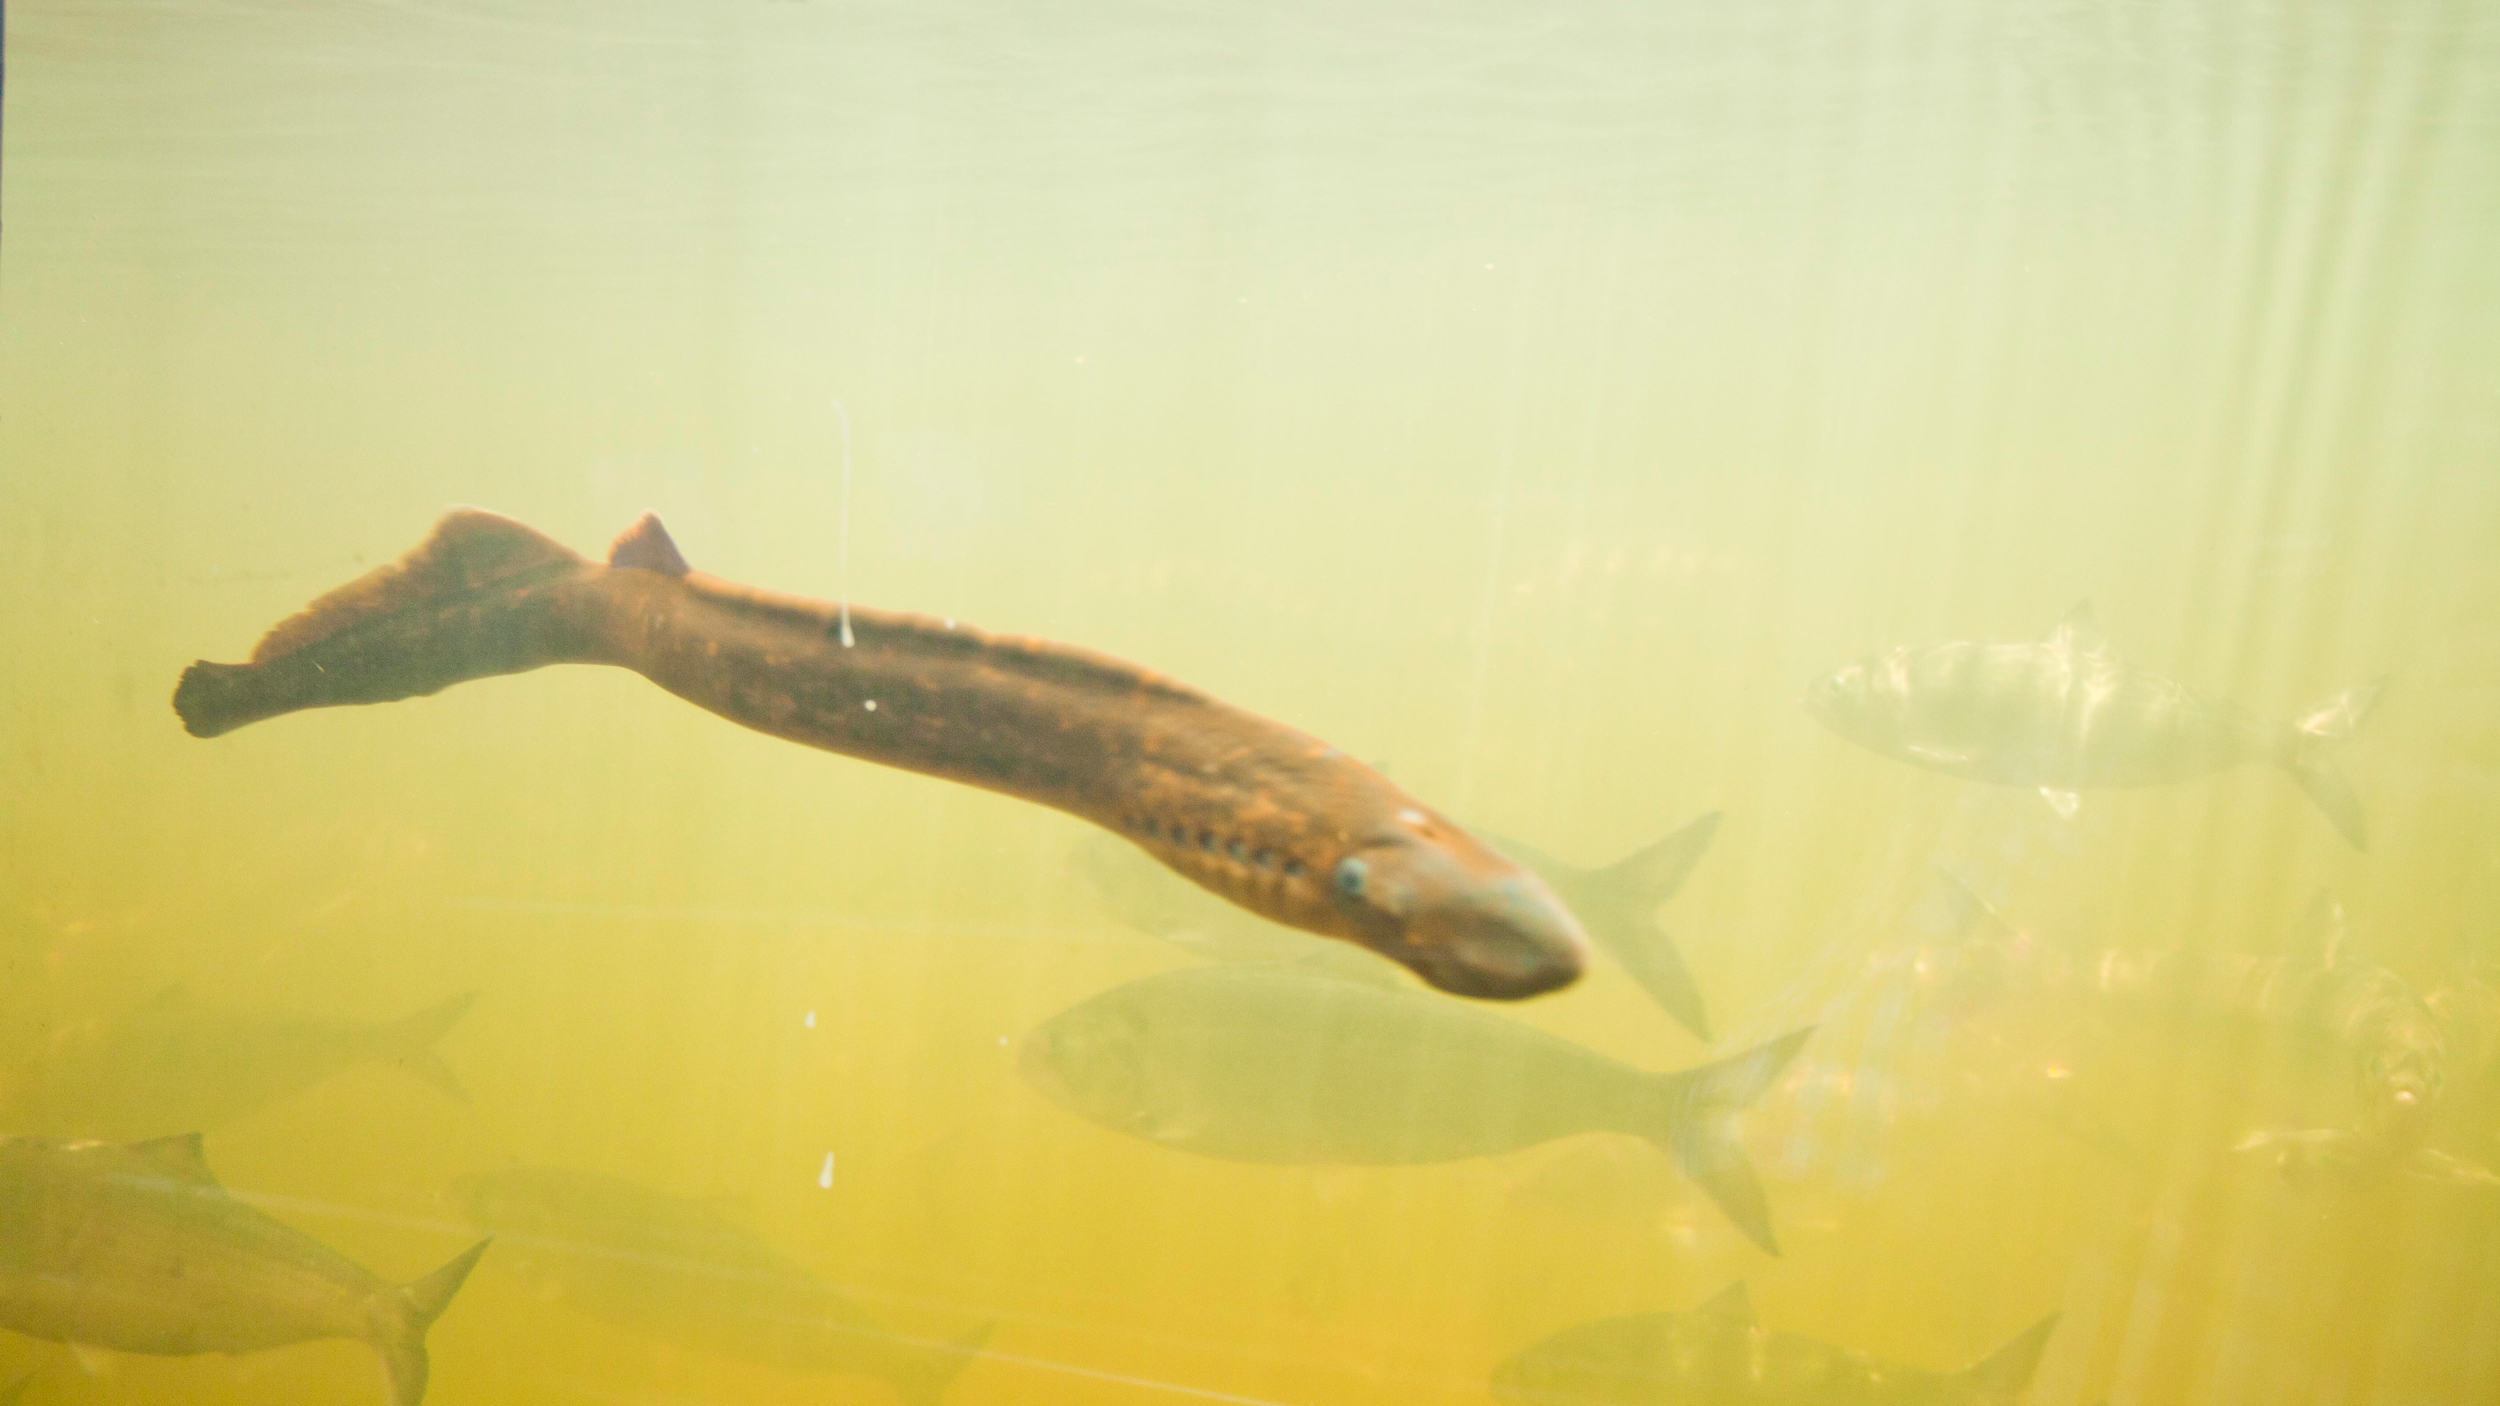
x=1311 y=880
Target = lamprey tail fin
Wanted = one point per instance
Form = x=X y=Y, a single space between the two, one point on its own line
x=2308 y=753
x=463 y=605
x=1700 y=1109
x=406 y=1311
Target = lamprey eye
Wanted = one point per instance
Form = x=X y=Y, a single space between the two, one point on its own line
x=1350 y=876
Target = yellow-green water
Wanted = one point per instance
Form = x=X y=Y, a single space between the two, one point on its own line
x=1531 y=398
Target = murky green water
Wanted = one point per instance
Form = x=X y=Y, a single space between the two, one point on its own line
x=1533 y=400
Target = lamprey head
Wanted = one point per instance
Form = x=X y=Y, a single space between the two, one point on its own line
x=1460 y=916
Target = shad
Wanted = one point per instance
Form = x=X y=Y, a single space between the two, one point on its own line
x=1271 y=819
x=2065 y=715
x=1720 y=1355
x=173 y=1065
x=1287 y=1066
x=2314 y=996
x=678 y=1270
x=136 y=1248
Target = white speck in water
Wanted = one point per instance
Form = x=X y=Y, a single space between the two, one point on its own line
x=842 y=569
x=824 y=1176
x=1002 y=1042
x=810 y=1022
x=1411 y=816
x=870 y=705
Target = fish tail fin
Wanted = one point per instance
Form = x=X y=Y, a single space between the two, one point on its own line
x=409 y=1043
x=920 y=1374
x=1999 y=1378
x=455 y=608
x=1700 y=1135
x=2307 y=751
x=405 y=1311
x=1624 y=919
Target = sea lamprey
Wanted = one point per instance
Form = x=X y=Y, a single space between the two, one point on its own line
x=1270 y=818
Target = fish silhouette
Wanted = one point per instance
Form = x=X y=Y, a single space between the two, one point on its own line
x=1286 y=1066
x=677 y=1269
x=2314 y=995
x=2066 y=715
x=173 y=1064
x=135 y=1247
x=1720 y=1355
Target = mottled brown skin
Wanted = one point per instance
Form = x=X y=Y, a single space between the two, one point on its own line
x=1272 y=819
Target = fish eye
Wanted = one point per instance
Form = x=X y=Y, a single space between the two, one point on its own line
x=1350 y=875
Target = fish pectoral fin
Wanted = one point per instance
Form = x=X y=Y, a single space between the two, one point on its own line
x=2065 y=803
x=95 y=1361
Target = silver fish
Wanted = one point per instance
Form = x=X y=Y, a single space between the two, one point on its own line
x=136 y=1248
x=171 y=1065
x=1617 y=906
x=1279 y=1065
x=1720 y=1355
x=2066 y=715
x=677 y=1269
x=2313 y=994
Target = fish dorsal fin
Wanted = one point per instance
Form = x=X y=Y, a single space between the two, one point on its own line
x=2319 y=932
x=1730 y=1305
x=181 y=1155
x=469 y=550
x=645 y=546
x=2002 y=1374
x=2078 y=632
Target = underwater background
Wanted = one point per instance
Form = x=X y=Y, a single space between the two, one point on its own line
x=1530 y=399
